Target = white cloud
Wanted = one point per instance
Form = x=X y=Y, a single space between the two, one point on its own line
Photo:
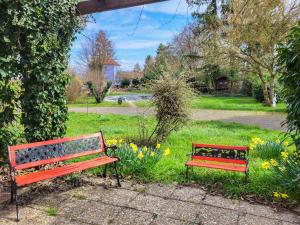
x=169 y=7
x=137 y=44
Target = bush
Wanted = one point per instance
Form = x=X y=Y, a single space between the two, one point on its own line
x=136 y=161
x=172 y=98
x=136 y=82
x=258 y=94
x=125 y=83
x=247 y=88
x=74 y=88
x=287 y=170
x=267 y=149
x=289 y=59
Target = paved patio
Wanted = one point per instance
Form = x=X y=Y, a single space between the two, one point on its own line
x=137 y=204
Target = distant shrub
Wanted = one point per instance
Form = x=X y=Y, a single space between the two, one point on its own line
x=74 y=88
x=125 y=83
x=247 y=88
x=136 y=82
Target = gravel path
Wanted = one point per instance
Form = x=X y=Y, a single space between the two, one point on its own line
x=265 y=120
x=141 y=204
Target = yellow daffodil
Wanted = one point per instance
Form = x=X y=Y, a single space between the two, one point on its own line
x=152 y=154
x=158 y=146
x=140 y=155
x=273 y=162
x=145 y=149
x=265 y=165
x=111 y=142
x=286 y=143
x=284 y=155
x=134 y=147
x=167 y=152
x=284 y=195
x=276 y=194
x=257 y=141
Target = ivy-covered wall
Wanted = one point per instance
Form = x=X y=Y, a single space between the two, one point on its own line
x=35 y=37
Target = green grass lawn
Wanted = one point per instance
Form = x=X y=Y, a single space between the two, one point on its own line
x=171 y=168
x=227 y=103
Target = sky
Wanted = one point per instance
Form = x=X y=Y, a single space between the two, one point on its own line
x=134 y=39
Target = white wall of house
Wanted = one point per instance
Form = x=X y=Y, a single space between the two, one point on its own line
x=110 y=72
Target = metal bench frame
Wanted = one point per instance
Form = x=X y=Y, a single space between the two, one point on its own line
x=231 y=158
x=33 y=155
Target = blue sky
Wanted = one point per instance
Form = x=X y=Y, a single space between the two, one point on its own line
x=159 y=24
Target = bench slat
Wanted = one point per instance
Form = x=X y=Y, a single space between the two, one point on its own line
x=206 y=158
x=225 y=147
x=51 y=142
x=217 y=166
x=26 y=179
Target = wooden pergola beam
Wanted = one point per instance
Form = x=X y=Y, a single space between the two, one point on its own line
x=92 y=6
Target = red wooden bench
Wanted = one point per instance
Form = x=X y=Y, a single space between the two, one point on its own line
x=231 y=158
x=34 y=155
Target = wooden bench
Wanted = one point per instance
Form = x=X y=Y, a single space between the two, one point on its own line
x=231 y=158
x=34 y=155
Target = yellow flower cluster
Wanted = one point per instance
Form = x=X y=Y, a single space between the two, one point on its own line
x=113 y=142
x=140 y=155
x=284 y=155
x=134 y=147
x=167 y=151
x=255 y=142
x=273 y=162
x=280 y=195
x=265 y=165
x=158 y=146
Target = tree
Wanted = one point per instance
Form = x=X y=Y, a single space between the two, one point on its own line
x=137 y=68
x=97 y=85
x=96 y=51
x=289 y=58
x=252 y=33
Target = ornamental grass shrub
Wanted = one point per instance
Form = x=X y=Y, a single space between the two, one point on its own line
x=136 y=161
x=172 y=97
x=267 y=149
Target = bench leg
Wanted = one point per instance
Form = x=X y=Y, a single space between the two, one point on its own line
x=11 y=192
x=17 y=203
x=187 y=173
x=117 y=174
x=105 y=171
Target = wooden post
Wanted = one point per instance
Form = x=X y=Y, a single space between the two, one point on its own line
x=93 y=6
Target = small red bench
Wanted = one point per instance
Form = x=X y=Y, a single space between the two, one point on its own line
x=231 y=158
x=34 y=155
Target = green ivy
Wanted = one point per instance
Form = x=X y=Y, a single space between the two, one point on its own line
x=35 y=39
x=290 y=61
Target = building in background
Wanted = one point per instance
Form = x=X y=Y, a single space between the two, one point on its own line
x=110 y=69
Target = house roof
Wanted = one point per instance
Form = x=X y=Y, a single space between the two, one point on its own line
x=111 y=62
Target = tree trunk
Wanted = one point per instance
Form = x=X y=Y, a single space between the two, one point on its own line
x=267 y=99
x=272 y=87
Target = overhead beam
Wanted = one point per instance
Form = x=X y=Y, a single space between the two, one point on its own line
x=93 y=6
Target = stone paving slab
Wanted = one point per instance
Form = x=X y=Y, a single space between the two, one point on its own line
x=143 y=204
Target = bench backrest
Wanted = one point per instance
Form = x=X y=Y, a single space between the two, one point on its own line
x=221 y=153
x=40 y=153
